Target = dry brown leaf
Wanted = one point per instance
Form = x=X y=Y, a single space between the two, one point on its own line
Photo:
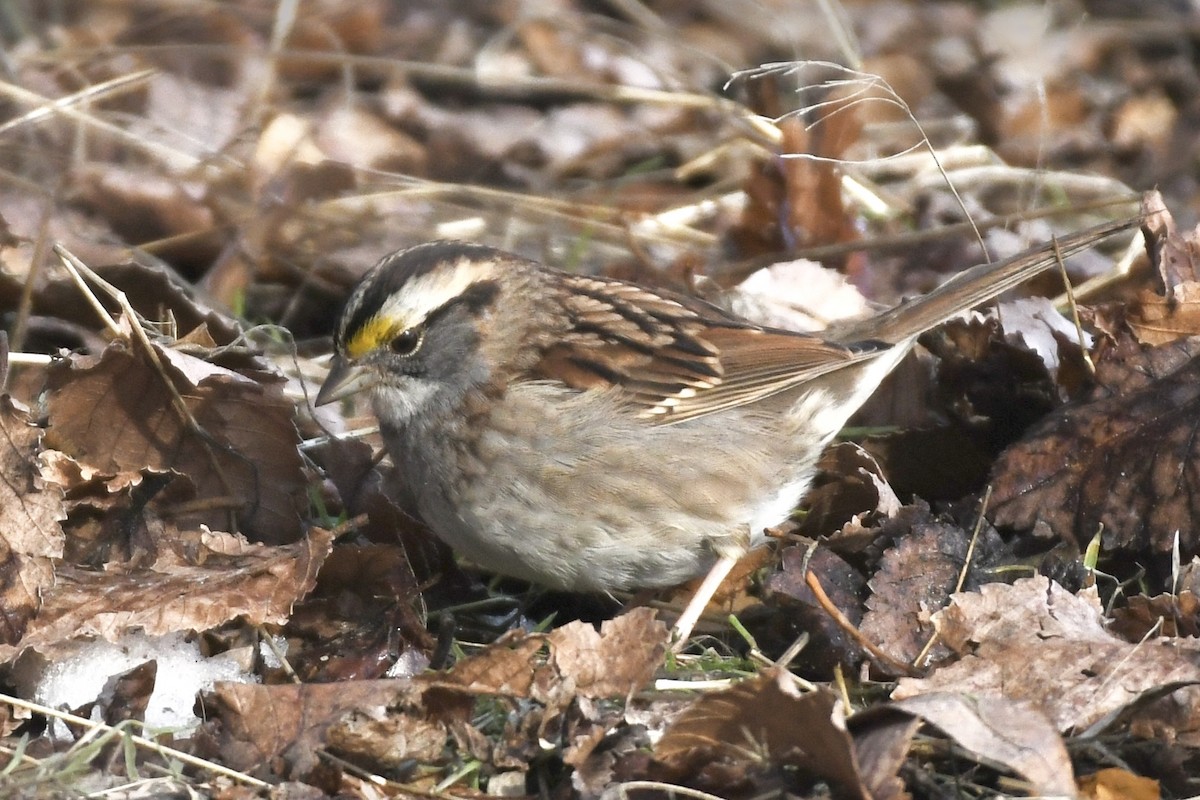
x=1173 y=719
x=1014 y=734
x=84 y=485
x=30 y=511
x=1118 y=784
x=1035 y=642
x=849 y=486
x=914 y=580
x=358 y=137
x=505 y=668
x=114 y=414
x=764 y=716
x=813 y=204
x=882 y=739
x=1059 y=111
x=337 y=27
x=227 y=577
x=830 y=644
x=1145 y=121
x=1156 y=320
x=275 y=731
x=24 y=578
x=83 y=234
x=615 y=661
x=1128 y=459
x=30 y=531
x=141 y=205
x=177 y=35
x=1174 y=256
x=988 y=388
x=1166 y=615
x=1172 y=312
x=550 y=48
x=386 y=741
x=987 y=371
x=1036 y=324
x=797 y=202
x=592 y=769
x=127 y=695
x=152 y=291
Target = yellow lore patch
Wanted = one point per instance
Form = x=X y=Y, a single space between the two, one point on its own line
x=375 y=332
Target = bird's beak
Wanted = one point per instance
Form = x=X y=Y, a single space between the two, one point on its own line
x=344 y=379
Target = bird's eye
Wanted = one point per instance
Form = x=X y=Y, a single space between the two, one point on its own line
x=407 y=341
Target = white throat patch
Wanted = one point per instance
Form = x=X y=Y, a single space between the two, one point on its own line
x=398 y=404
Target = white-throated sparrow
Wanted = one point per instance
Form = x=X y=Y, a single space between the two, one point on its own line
x=592 y=434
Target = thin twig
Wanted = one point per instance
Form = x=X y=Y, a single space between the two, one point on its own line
x=911 y=239
x=666 y=789
x=1074 y=307
x=966 y=567
x=89 y=94
x=879 y=656
x=172 y=159
x=140 y=741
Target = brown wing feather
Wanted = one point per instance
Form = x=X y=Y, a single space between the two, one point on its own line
x=678 y=358
x=765 y=363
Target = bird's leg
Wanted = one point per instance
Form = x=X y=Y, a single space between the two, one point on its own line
x=695 y=607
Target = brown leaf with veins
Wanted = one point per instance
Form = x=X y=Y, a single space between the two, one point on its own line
x=1156 y=320
x=764 y=717
x=615 y=661
x=1129 y=459
x=915 y=579
x=1035 y=642
x=504 y=668
x=29 y=512
x=114 y=414
x=275 y=731
x=1168 y=615
x=917 y=575
x=225 y=577
x=387 y=741
x=30 y=515
x=1003 y=732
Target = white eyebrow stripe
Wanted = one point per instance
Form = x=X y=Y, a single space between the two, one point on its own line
x=423 y=295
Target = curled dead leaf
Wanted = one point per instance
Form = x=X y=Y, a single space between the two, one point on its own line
x=114 y=413
x=227 y=577
x=31 y=511
x=1034 y=642
x=1127 y=460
